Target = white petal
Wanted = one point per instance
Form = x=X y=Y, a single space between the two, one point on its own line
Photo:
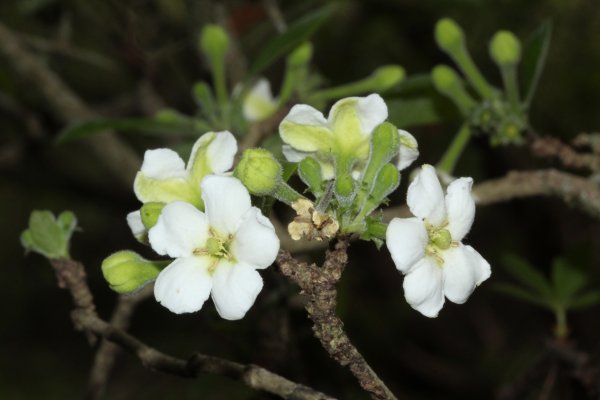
x=459 y=275
x=423 y=288
x=305 y=129
x=425 y=196
x=235 y=287
x=184 y=285
x=482 y=268
x=370 y=111
x=226 y=201
x=303 y=114
x=259 y=103
x=221 y=152
x=292 y=155
x=409 y=149
x=180 y=229
x=255 y=241
x=134 y=220
x=406 y=239
x=460 y=207
x=163 y=164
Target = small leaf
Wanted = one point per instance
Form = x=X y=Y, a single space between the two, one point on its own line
x=182 y=126
x=283 y=44
x=67 y=222
x=585 y=300
x=567 y=280
x=534 y=58
x=47 y=235
x=522 y=271
x=522 y=294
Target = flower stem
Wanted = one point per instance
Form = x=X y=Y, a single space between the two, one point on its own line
x=561 y=330
x=349 y=89
x=453 y=153
x=468 y=67
x=509 y=78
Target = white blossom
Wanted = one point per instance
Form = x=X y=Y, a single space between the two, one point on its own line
x=428 y=249
x=217 y=252
x=345 y=132
x=259 y=103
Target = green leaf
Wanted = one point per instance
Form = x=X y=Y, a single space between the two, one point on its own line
x=522 y=294
x=182 y=126
x=585 y=300
x=283 y=44
x=47 y=235
x=522 y=271
x=567 y=280
x=534 y=58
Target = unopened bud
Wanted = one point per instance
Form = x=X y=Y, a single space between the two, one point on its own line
x=386 y=77
x=259 y=171
x=445 y=79
x=448 y=35
x=387 y=181
x=214 y=41
x=150 y=213
x=505 y=48
x=301 y=55
x=126 y=271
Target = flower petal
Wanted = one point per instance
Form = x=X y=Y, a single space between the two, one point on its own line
x=292 y=155
x=221 y=152
x=406 y=239
x=180 y=229
x=163 y=164
x=149 y=189
x=255 y=241
x=184 y=285
x=368 y=112
x=482 y=268
x=425 y=196
x=463 y=270
x=423 y=288
x=226 y=201
x=460 y=207
x=259 y=103
x=409 y=149
x=134 y=220
x=235 y=287
x=305 y=129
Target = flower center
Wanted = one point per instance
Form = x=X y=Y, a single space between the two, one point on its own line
x=217 y=248
x=440 y=239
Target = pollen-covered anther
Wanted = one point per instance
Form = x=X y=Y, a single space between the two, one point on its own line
x=311 y=224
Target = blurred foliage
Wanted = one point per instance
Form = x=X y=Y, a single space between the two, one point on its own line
x=131 y=59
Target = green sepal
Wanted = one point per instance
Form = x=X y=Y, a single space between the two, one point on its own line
x=127 y=272
x=150 y=213
x=309 y=170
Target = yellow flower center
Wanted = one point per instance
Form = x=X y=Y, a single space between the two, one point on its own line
x=217 y=248
x=440 y=239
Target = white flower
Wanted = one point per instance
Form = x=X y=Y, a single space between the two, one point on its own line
x=259 y=103
x=165 y=178
x=345 y=132
x=216 y=252
x=428 y=248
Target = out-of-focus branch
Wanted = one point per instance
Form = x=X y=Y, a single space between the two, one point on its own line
x=548 y=146
x=71 y=276
x=118 y=158
x=275 y=14
x=574 y=190
x=108 y=352
x=319 y=285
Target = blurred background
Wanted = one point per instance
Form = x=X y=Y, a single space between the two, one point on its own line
x=135 y=57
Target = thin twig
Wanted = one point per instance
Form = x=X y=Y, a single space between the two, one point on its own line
x=275 y=14
x=319 y=285
x=71 y=276
x=548 y=146
x=107 y=352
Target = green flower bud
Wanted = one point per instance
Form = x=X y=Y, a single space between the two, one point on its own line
x=387 y=181
x=301 y=55
x=505 y=48
x=344 y=189
x=448 y=35
x=309 y=171
x=259 y=171
x=445 y=79
x=386 y=77
x=214 y=41
x=150 y=213
x=126 y=271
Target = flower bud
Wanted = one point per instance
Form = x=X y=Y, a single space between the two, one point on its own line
x=259 y=171
x=126 y=271
x=445 y=79
x=214 y=41
x=385 y=143
x=387 y=76
x=387 y=181
x=309 y=171
x=150 y=213
x=505 y=48
x=448 y=35
x=301 y=55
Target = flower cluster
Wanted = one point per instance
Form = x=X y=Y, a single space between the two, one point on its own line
x=202 y=217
